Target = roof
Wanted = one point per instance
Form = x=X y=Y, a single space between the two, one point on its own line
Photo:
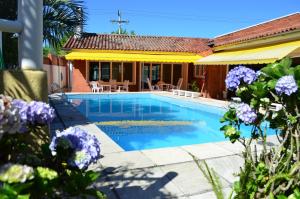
x=95 y=41
x=266 y=29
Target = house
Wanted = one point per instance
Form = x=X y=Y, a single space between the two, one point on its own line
x=134 y=58
x=206 y=61
x=256 y=46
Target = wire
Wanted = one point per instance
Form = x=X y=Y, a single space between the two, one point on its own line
x=176 y=16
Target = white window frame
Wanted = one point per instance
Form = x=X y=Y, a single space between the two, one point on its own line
x=200 y=72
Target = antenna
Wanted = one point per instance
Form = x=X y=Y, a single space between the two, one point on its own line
x=119 y=21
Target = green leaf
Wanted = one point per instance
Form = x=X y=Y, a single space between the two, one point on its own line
x=297 y=73
x=272 y=83
x=281 y=197
x=286 y=62
x=253 y=102
x=95 y=193
x=93 y=176
x=27 y=196
x=225 y=127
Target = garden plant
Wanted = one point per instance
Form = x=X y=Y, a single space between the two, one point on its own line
x=270 y=99
x=58 y=170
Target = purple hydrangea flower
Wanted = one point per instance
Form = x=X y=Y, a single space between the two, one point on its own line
x=22 y=106
x=40 y=112
x=10 y=121
x=238 y=74
x=245 y=113
x=86 y=147
x=286 y=85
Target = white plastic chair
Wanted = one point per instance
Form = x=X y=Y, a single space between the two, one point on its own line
x=95 y=87
x=124 y=87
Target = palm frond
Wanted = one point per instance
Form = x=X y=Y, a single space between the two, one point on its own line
x=61 y=17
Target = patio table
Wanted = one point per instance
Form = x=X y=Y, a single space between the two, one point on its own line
x=106 y=87
x=164 y=86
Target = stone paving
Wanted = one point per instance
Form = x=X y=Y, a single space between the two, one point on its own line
x=156 y=173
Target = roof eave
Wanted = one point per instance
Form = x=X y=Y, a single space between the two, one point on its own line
x=266 y=40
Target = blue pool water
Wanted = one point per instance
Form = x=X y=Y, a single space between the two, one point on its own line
x=151 y=121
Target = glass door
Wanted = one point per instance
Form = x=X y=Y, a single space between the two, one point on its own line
x=155 y=74
x=145 y=75
x=105 y=71
x=94 y=71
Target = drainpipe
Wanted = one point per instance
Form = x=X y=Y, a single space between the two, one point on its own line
x=30 y=15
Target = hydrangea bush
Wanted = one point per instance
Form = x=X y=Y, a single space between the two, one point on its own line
x=60 y=171
x=275 y=171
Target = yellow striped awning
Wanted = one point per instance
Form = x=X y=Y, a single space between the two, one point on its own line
x=261 y=55
x=133 y=56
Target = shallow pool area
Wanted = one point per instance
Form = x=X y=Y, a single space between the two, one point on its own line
x=147 y=121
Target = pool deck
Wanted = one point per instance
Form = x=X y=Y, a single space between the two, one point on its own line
x=156 y=173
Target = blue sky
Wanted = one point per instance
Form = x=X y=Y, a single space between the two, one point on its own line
x=191 y=18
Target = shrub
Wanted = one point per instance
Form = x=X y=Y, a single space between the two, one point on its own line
x=275 y=172
x=59 y=170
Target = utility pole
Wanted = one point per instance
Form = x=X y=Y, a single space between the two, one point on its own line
x=119 y=21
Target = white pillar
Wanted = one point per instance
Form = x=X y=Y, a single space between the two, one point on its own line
x=70 y=65
x=30 y=14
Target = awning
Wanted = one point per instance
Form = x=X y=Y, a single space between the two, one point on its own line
x=134 y=57
x=261 y=55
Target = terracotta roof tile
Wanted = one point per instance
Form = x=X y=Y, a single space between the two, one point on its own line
x=138 y=43
x=270 y=28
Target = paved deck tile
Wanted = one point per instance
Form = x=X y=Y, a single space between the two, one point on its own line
x=226 y=166
x=235 y=148
x=165 y=156
x=211 y=194
x=128 y=160
x=205 y=151
x=147 y=183
x=189 y=179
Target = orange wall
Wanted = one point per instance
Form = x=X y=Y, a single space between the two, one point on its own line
x=215 y=81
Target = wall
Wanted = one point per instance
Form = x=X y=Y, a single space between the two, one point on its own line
x=56 y=68
x=79 y=81
x=215 y=81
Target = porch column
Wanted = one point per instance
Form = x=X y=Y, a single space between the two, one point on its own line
x=70 y=69
x=185 y=71
x=30 y=15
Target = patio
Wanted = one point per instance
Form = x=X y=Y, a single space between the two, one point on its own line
x=155 y=173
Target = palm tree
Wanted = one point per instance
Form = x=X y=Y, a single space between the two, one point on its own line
x=61 y=17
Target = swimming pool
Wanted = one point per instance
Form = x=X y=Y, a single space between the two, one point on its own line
x=147 y=121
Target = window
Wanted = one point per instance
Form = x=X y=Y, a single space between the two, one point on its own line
x=199 y=71
x=105 y=71
x=128 y=72
x=117 y=71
